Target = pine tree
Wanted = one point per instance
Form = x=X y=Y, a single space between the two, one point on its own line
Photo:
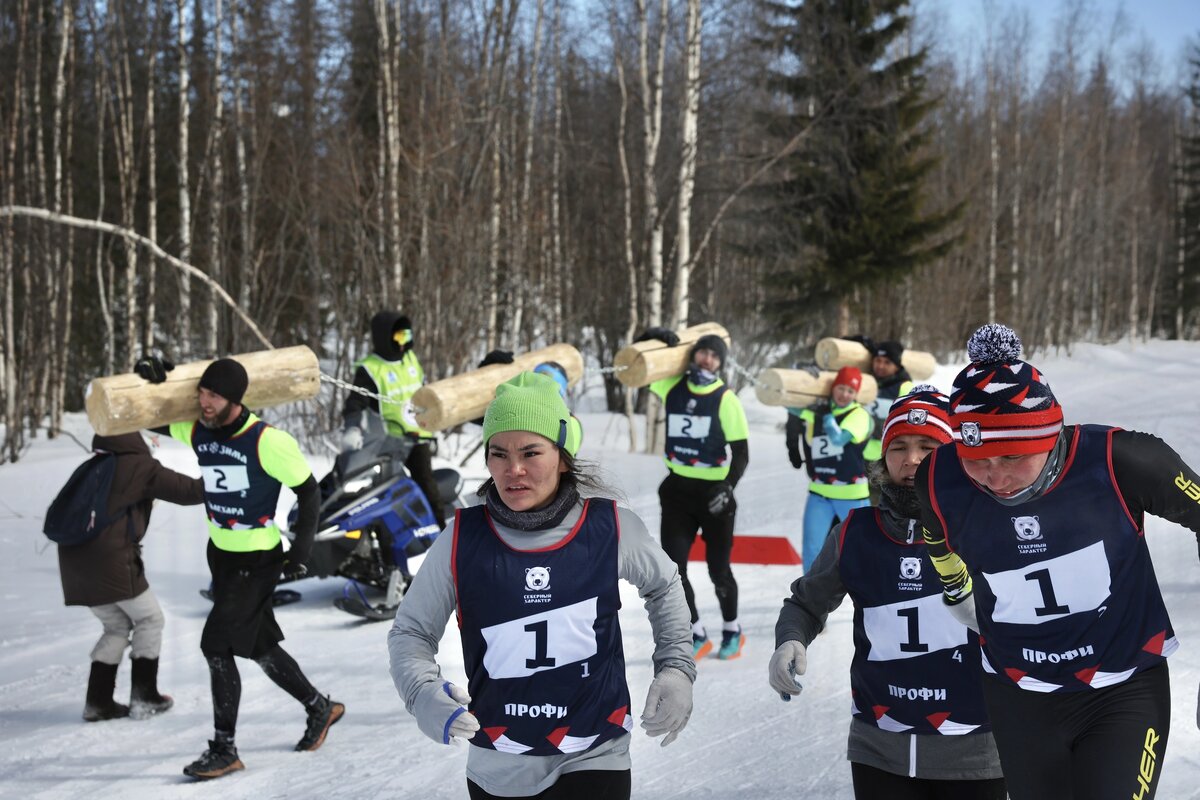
x=848 y=210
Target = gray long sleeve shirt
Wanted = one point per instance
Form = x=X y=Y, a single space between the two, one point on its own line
x=430 y=601
x=814 y=596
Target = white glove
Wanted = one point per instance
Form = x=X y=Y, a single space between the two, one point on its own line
x=789 y=660
x=352 y=438
x=442 y=715
x=668 y=704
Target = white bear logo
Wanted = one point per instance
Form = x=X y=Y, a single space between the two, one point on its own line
x=537 y=579
x=910 y=568
x=1028 y=528
x=971 y=435
x=918 y=416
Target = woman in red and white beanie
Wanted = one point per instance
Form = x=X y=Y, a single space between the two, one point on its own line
x=1037 y=529
x=906 y=739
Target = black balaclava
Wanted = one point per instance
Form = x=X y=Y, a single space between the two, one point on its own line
x=383 y=327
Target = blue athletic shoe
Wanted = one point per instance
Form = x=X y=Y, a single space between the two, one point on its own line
x=731 y=644
x=701 y=647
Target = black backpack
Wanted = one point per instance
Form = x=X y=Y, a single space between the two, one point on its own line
x=80 y=511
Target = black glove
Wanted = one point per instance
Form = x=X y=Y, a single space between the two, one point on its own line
x=864 y=340
x=293 y=570
x=721 y=501
x=153 y=368
x=295 y=560
x=664 y=335
x=796 y=459
x=809 y=367
x=497 y=357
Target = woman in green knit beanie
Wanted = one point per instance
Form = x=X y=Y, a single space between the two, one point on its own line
x=532 y=575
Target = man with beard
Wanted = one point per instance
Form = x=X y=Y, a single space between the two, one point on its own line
x=244 y=462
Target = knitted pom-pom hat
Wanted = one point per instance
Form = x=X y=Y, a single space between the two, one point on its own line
x=1001 y=405
x=924 y=411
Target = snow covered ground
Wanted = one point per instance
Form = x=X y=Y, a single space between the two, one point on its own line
x=741 y=739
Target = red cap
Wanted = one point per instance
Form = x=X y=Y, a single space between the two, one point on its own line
x=849 y=376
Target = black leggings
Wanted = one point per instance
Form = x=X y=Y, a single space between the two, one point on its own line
x=226 y=681
x=872 y=784
x=684 y=511
x=586 y=784
x=420 y=467
x=1100 y=744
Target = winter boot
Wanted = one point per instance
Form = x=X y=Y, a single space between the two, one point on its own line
x=731 y=644
x=144 y=699
x=100 y=704
x=321 y=716
x=221 y=758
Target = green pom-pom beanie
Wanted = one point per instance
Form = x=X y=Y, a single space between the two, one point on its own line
x=531 y=402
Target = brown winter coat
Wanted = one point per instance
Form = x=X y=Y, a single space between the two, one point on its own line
x=109 y=568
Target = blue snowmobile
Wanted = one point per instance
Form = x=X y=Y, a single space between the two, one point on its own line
x=374 y=521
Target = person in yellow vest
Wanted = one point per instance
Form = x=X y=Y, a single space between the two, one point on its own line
x=393 y=371
x=707 y=451
x=244 y=463
x=833 y=436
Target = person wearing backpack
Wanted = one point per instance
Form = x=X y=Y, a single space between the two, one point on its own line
x=106 y=574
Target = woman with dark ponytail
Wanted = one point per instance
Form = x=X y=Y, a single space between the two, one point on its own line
x=531 y=576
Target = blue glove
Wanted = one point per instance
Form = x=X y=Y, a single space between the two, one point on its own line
x=834 y=431
x=441 y=712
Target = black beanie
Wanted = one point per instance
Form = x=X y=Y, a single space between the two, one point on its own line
x=712 y=342
x=892 y=350
x=227 y=378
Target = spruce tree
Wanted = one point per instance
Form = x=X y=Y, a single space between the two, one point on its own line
x=848 y=209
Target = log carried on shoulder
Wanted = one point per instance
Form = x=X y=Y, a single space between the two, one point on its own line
x=461 y=398
x=642 y=363
x=834 y=354
x=796 y=388
x=125 y=403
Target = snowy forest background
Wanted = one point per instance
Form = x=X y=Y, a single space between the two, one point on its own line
x=518 y=172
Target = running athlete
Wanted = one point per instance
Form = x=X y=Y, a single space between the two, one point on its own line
x=918 y=731
x=706 y=453
x=1038 y=531
x=244 y=462
x=834 y=436
x=531 y=576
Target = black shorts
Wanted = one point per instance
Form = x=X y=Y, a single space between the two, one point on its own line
x=242 y=620
x=1103 y=744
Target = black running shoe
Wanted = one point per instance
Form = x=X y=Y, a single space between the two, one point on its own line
x=219 y=759
x=321 y=717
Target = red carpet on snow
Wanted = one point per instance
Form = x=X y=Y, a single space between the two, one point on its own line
x=753 y=550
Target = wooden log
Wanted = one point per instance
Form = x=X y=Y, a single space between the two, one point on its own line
x=642 y=363
x=796 y=388
x=834 y=354
x=461 y=398
x=124 y=403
